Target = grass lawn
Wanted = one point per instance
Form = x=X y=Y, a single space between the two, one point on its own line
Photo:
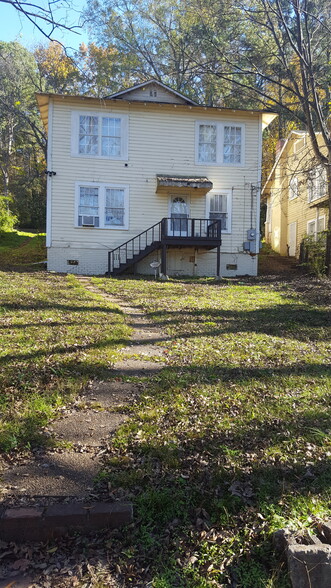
x=232 y=440
x=55 y=337
x=19 y=248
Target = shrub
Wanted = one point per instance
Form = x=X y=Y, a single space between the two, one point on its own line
x=7 y=219
x=312 y=253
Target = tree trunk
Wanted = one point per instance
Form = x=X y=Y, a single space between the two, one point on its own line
x=328 y=234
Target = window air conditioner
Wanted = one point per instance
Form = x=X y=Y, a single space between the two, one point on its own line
x=88 y=221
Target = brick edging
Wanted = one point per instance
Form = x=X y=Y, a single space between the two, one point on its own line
x=43 y=523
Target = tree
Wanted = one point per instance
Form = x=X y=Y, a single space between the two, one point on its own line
x=162 y=40
x=282 y=57
x=22 y=140
x=42 y=15
x=57 y=72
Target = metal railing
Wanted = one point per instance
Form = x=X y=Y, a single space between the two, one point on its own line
x=167 y=228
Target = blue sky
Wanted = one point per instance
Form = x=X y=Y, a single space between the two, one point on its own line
x=16 y=27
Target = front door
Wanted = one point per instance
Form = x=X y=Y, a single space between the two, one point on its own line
x=179 y=213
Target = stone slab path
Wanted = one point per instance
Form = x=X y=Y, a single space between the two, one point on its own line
x=85 y=427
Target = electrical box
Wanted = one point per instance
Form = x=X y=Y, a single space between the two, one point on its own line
x=252 y=247
x=251 y=234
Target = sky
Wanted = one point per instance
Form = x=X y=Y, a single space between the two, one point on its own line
x=16 y=27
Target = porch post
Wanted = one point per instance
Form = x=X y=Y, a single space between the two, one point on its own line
x=218 y=263
x=164 y=260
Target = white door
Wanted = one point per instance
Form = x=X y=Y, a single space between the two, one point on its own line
x=292 y=239
x=179 y=213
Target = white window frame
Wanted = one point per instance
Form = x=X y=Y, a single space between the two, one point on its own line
x=228 y=194
x=320 y=218
x=312 y=223
x=315 y=181
x=219 y=143
x=102 y=187
x=299 y=144
x=100 y=115
x=293 y=188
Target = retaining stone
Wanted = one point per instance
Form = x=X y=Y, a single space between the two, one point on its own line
x=308 y=556
x=41 y=524
x=309 y=566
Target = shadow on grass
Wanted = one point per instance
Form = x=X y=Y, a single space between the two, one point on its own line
x=57 y=350
x=220 y=494
x=40 y=305
x=282 y=320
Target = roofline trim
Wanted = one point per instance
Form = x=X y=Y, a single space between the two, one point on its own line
x=202 y=106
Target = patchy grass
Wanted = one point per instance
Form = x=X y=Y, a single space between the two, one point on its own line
x=55 y=337
x=232 y=440
x=18 y=248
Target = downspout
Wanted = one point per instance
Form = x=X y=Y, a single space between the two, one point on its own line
x=49 y=177
x=258 y=186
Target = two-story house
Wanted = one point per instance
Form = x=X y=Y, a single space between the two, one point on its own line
x=148 y=176
x=296 y=196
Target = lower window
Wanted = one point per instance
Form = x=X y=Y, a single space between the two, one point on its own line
x=219 y=208
x=102 y=206
x=315 y=226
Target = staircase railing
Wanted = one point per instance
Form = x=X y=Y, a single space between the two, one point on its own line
x=163 y=232
x=134 y=246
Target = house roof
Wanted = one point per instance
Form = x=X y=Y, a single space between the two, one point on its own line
x=184 y=181
x=44 y=99
x=127 y=91
x=300 y=134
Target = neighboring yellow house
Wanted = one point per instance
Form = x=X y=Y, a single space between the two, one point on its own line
x=296 y=196
x=147 y=176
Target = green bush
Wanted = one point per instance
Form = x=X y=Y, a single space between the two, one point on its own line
x=312 y=253
x=7 y=219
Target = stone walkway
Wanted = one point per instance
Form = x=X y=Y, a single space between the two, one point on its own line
x=85 y=426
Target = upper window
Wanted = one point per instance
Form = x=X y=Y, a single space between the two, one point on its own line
x=96 y=135
x=293 y=191
x=219 y=207
x=299 y=144
x=219 y=143
x=102 y=206
x=317 y=183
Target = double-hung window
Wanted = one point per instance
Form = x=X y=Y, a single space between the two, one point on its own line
x=88 y=206
x=99 y=135
x=218 y=207
x=102 y=206
x=115 y=207
x=315 y=226
x=293 y=191
x=317 y=183
x=219 y=143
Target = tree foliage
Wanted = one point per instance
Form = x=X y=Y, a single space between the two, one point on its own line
x=22 y=140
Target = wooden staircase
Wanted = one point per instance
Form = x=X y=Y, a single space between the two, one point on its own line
x=169 y=232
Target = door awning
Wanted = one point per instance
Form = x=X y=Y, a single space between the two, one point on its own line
x=196 y=182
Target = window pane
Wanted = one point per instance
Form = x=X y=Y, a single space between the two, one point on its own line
x=115 y=211
x=293 y=188
x=232 y=145
x=321 y=181
x=88 y=135
x=311 y=227
x=207 y=144
x=321 y=224
x=218 y=209
x=111 y=137
x=88 y=201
